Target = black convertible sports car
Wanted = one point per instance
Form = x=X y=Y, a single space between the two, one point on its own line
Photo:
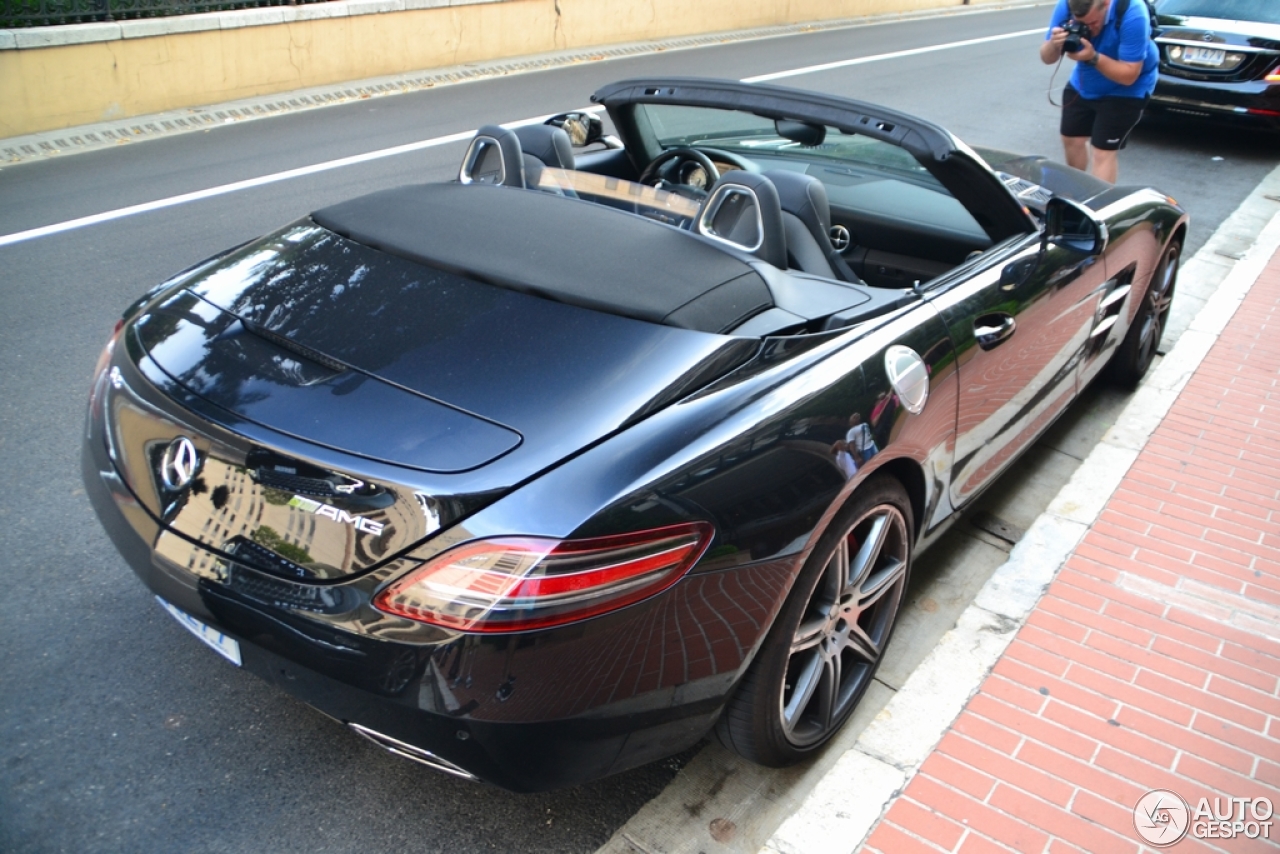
x=1220 y=60
x=547 y=472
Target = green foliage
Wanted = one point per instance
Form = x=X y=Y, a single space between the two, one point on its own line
x=268 y=537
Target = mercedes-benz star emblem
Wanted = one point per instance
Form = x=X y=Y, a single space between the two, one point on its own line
x=179 y=463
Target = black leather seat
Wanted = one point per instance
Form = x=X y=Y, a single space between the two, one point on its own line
x=548 y=143
x=806 y=217
x=543 y=145
x=742 y=210
x=494 y=157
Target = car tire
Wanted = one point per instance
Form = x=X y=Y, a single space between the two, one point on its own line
x=823 y=649
x=1136 y=352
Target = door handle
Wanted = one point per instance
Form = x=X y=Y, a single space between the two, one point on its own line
x=993 y=329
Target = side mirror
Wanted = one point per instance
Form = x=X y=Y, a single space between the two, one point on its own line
x=583 y=128
x=1073 y=226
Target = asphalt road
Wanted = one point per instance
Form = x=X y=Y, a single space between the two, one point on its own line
x=120 y=732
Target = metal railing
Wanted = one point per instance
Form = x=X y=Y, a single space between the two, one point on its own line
x=43 y=13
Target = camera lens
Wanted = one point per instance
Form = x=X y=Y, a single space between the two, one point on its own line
x=1075 y=31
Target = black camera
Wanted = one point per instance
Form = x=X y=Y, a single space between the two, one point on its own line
x=1075 y=31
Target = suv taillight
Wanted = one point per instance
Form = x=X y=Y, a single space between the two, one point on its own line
x=520 y=583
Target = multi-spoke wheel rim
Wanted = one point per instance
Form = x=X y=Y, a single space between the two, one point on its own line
x=1159 y=299
x=845 y=626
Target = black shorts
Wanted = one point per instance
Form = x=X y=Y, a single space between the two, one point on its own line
x=1106 y=121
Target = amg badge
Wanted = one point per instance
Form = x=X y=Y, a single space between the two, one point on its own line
x=361 y=523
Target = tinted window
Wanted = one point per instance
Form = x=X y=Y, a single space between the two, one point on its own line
x=1267 y=11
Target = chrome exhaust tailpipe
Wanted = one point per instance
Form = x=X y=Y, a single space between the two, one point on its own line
x=416 y=754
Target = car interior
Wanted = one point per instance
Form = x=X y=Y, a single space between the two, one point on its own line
x=882 y=222
x=800 y=228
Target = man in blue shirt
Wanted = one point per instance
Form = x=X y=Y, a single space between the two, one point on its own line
x=1115 y=73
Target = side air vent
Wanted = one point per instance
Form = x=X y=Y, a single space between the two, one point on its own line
x=840 y=238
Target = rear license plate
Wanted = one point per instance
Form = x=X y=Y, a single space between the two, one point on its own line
x=1204 y=56
x=227 y=647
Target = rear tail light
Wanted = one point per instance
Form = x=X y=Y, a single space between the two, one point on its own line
x=104 y=359
x=521 y=583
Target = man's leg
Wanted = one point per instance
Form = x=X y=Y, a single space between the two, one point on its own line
x=1106 y=164
x=1116 y=119
x=1076 y=127
x=1077 y=151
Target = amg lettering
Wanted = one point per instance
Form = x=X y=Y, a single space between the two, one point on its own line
x=368 y=526
x=361 y=523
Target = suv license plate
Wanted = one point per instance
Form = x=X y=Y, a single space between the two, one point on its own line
x=227 y=647
x=1204 y=56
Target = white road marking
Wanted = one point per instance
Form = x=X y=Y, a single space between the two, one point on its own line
x=861 y=60
x=224 y=189
x=328 y=165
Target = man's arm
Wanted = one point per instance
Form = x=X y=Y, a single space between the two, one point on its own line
x=1051 y=48
x=1134 y=37
x=1115 y=70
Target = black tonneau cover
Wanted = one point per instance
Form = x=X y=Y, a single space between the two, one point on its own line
x=560 y=248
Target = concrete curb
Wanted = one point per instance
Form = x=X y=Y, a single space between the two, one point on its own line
x=847 y=803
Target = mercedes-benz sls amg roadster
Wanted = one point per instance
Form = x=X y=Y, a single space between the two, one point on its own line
x=626 y=436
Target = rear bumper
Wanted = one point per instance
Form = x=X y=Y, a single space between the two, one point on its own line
x=1256 y=104
x=528 y=713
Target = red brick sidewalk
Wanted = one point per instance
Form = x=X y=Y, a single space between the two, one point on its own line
x=1153 y=661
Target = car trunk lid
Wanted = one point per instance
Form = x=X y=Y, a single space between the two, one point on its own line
x=457 y=388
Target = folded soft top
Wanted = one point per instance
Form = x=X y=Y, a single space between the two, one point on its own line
x=563 y=249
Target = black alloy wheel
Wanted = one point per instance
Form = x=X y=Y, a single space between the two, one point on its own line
x=1134 y=355
x=830 y=637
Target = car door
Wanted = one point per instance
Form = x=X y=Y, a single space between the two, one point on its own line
x=1020 y=317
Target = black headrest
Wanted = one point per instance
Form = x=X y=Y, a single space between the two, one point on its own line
x=494 y=157
x=548 y=143
x=742 y=209
x=804 y=196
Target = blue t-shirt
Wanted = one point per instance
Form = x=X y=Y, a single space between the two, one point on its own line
x=1130 y=42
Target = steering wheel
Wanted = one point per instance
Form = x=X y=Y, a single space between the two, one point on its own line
x=680 y=153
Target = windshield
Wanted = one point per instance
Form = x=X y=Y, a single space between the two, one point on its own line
x=860 y=173
x=1266 y=11
x=757 y=137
